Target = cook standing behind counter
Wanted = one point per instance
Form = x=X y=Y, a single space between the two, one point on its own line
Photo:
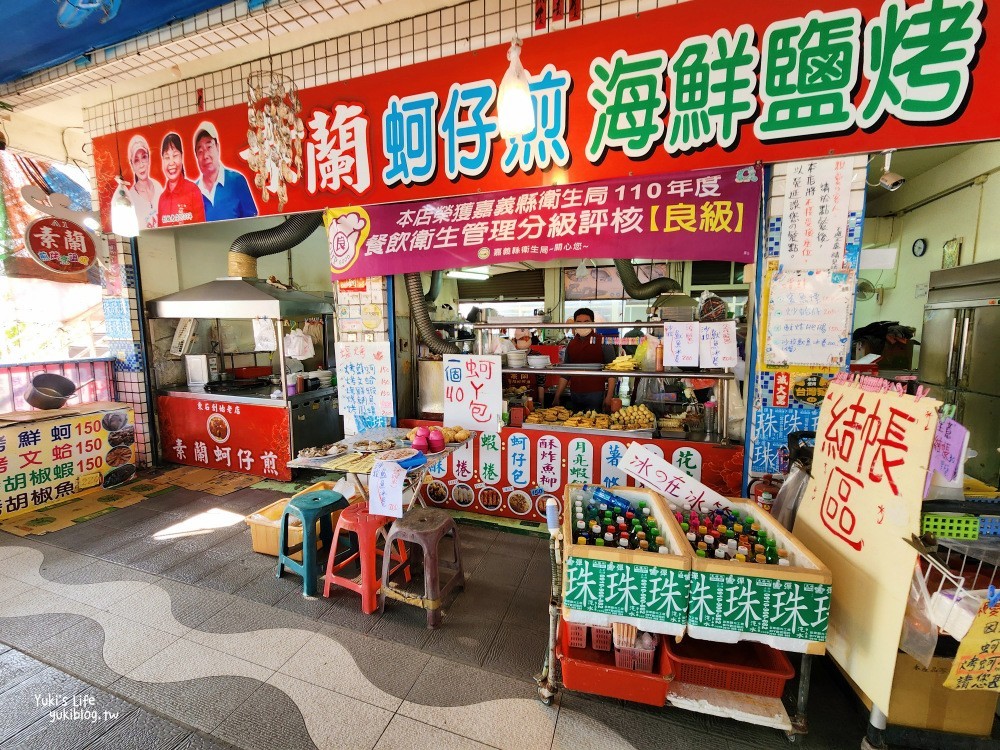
x=587 y=347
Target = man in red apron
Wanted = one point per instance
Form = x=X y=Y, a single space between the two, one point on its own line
x=587 y=347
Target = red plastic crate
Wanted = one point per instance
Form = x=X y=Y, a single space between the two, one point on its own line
x=577 y=634
x=600 y=638
x=588 y=671
x=635 y=659
x=744 y=667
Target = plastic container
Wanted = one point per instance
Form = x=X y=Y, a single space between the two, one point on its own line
x=577 y=635
x=600 y=638
x=635 y=659
x=950 y=526
x=746 y=667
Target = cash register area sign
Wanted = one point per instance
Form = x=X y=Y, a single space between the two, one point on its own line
x=699 y=215
x=244 y=438
x=54 y=459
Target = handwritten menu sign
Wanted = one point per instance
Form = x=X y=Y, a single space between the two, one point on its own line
x=661 y=475
x=873 y=445
x=364 y=378
x=977 y=664
x=809 y=318
x=473 y=396
x=680 y=344
x=814 y=226
x=717 y=345
x=950 y=441
x=385 y=489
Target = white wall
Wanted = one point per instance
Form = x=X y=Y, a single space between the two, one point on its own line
x=972 y=213
x=174 y=259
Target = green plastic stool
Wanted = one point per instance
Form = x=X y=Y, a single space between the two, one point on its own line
x=308 y=508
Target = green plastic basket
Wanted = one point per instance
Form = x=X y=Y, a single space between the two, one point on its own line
x=950 y=526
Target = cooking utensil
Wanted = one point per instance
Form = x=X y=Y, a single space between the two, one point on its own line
x=51 y=391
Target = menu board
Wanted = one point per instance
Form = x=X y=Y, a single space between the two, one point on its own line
x=814 y=225
x=809 y=318
x=473 y=392
x=385 y=489
x=681 y=343
x=364 y=378
x=717 y=345
x=53 y=459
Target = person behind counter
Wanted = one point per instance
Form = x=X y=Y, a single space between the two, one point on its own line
x=535 y=384
x=587 y=347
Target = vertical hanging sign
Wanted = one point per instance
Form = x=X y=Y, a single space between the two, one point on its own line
x=473 y=396
x=814 y=225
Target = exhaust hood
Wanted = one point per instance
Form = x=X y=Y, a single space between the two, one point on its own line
x=237 y=297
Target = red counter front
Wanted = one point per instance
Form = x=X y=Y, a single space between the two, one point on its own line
x=511 y=474
x=247 y=438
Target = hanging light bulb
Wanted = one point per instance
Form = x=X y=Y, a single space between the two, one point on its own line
x=124 y=221
x=582 y=272
x=515 y=109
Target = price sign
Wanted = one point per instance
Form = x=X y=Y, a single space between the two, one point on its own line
x=717 y=345
x=364 y=379
x=473 y=394
x=680 y=344
x=385 y=493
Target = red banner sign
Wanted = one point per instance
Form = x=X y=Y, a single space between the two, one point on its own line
x=645 y=94
x=60 y=245
x=704 y=215
x=245 y=438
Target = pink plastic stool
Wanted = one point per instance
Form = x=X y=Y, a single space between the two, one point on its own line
x=367 y=527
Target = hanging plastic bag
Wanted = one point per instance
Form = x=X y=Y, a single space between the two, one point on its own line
x=298 y=345
x=264 y=337
x=920 y=634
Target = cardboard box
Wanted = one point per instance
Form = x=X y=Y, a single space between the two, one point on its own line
x=796 y=597
x=607 y=571
x=919 y=699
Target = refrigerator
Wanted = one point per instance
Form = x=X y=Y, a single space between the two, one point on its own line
x=960 y=356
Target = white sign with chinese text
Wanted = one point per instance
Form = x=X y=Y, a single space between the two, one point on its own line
x=518 y=460
x=364 y=378
x=809 y=318
x=473 y=393
x=717 y=345
x=862 y=503
x=612 y=475
x=385 y=489
x=655 y=472
x=814 y=224
x=680 y=344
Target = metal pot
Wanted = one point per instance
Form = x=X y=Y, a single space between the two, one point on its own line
x=51 y=391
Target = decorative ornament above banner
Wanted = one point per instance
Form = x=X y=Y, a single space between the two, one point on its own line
x=705 y=215
x=781 y=82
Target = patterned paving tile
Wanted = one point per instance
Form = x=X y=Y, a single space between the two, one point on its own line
x=518 y=652
x=48 y=734
x=313 y=608
x=463 y=639
x=444 y=683
x=240 y=616
x=21 y=706
x=269 y=648
x=16 y=667
x=140 y=730
x=231 y=577
x=528 y=608
x=345 y=611
x=334 y=721
x=268 y=589
x=195 y=741
x=27 y=632
x=481 y=600
x=403 y=624
x=500 y=569
x=171 y=606
x=405 y=734
x=515 y=545
x=267 y=720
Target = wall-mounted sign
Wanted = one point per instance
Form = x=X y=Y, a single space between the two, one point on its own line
x=809 y=390
x=638 y=95
x=60 y=245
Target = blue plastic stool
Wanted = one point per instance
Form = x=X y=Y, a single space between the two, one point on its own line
x=308 y=508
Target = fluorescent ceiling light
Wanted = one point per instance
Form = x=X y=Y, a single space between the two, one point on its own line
x=480 y=273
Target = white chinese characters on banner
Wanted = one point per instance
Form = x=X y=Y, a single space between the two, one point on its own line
x=473 y=396
x=385 y=489
x=809 y=318
x=653 y=471
x=814 y=225
x=717 y=345
x=680 y=344
x=364 y=378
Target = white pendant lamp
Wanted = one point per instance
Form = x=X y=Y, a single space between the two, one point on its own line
x=515 y=110
x=124 y=221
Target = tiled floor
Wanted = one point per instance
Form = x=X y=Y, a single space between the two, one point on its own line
x=194 y=643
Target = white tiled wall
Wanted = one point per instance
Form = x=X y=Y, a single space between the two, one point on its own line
x=437 y=34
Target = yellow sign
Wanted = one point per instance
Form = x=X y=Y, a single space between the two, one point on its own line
x=873 y=446
x=54 y=458
x=977 y=665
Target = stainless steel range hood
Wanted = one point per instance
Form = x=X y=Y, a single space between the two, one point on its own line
x=237 y=297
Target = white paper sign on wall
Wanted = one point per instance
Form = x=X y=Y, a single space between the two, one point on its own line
x=364 y=378
x=681 y=342
x=473 y=392
x=717 y=345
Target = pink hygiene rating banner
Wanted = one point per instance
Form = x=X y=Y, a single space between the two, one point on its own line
x=699 y=215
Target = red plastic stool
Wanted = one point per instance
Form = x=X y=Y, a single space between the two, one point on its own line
x=367 y=527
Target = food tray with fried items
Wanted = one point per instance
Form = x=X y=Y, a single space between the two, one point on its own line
x=631 y=419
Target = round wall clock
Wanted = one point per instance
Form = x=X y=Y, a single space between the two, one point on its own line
x=919 y=247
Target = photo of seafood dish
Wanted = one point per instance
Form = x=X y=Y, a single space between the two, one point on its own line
x=119 y=456
x=519 y=502
x=490 y=498
x=437 y=492
x=114 y=420
x=463 y=495
x=218 y=428
x=119 y=475
x=124 y=436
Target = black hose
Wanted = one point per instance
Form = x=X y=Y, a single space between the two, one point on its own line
x=643 y=289
x=418 y=311
x=294 y=230
x=437 y=281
